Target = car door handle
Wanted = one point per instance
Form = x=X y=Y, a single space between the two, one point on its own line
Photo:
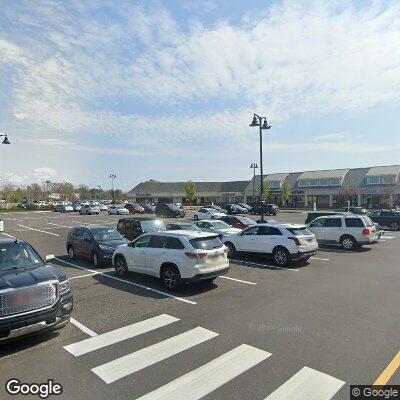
x=142 y=252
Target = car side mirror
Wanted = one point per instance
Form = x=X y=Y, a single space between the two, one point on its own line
x=49 y=258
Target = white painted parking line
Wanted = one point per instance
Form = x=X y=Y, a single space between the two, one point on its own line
x=6 y=234
x=126 y=365
x=264 y=265
x=62 y=226
x=238 y=280
x=209 y=377
x=321 y=259
x=307 y=384
x=132 y=283
x=118 y=335
x=38 y=230
x=83 y=328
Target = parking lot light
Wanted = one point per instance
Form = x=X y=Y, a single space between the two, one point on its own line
x=262 y=123
x=254 y=166
x=5 y=140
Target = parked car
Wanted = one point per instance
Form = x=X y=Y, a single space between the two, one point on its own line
x=96 y=243
x=76 y=206
x=131 y=228
x=311 y=216
x=89 y=210
x=353 y=210
x=169 y=211
x=134 y=208
x=237 y=221
x=350 y=231
x=217 y=208
x=118 y=210
x=63 y=208
x=207 y=213
x=269 y=209
x=150 y=208
x=182 y=226
x=244 y=205
x=232 y=209
x=216 y=226
x=103 y=207
x=174 y=257
x=284 y=242
x=386 y=219
x=33 y=296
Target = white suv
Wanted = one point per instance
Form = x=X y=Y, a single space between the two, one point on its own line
x=350 y=231
x=175 y=257
x=207 y=213
x=285 y=242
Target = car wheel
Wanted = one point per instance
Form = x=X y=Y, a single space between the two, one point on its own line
x=196 y=218
x=120 y=265
x=231 y=249
x=212 y=217
x=170 y=278
x=71 y=253
x=394 y=226
x=348 y=243
x=95 y=259
x=281 y=256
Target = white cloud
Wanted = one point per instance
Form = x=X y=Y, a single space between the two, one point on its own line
x=37 y=175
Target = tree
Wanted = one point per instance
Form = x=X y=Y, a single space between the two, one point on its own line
x=285 y=191
x=34 y=192
x=191 y=190
x=267 y=189
x=66 y=191
x=84 y=193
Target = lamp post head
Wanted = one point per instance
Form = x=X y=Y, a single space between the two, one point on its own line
x=265 y=125
x=6 y=141
x=254 y=165
x=255 y=122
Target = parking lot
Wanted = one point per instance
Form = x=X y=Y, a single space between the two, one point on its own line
x=259 y=332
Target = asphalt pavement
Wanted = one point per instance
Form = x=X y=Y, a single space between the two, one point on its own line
x=260 y=332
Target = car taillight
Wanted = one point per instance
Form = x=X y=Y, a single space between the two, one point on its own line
x=197 y=256
x=366 y=232
x=295 y=240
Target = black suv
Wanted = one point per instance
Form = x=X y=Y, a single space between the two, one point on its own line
x=169 y=211
x=33 y=296
x=96 y=243
x=131 y=228
x=386 y=218
x=269 y=209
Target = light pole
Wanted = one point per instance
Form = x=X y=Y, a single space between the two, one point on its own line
x=262 y=123
x=5 y=141
x=99 y=187
x=112 y=177
x=254 y=166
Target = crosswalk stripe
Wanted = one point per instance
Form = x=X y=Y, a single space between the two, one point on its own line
x=117 y=335
x=143 y=358
x=209 y=377
x=307 y=384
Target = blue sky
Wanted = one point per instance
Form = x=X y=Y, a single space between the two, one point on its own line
x=166 y=89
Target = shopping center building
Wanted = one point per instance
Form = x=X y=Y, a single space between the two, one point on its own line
x=372 y=187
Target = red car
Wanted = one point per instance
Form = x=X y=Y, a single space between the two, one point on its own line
x=238 y=222
x=134 y=208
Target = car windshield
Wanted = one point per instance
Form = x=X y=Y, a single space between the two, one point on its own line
x=368 y=221
x=154 y=225
x=18 y=255
x=105 y=234
x=221 y=225
x=206 y=243
x=174 y=207
x=300 y=231
x=246 y=221
x=190 y=227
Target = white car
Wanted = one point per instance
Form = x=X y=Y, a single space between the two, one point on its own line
x=207 y=213
x=216 y=226
x=119 y=210
x=103 y=207
x=285 y=242
x=350 y=230
x=175 y=257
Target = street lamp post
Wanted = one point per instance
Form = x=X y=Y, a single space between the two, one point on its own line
x=254 y=166
x=112 y=177
x=262 y=123
x=5 y=140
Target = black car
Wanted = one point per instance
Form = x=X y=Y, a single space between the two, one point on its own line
x=183 y=226
x=353 y=210
x=386 y=219
x=149 y=208
x=131 y=228
x=269 y=209
x=169 y=211
x=233 y=209
x=96 y=243
x=315 y=214
x=33 y=296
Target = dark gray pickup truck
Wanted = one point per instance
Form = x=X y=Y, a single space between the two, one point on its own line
x=33 y=296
